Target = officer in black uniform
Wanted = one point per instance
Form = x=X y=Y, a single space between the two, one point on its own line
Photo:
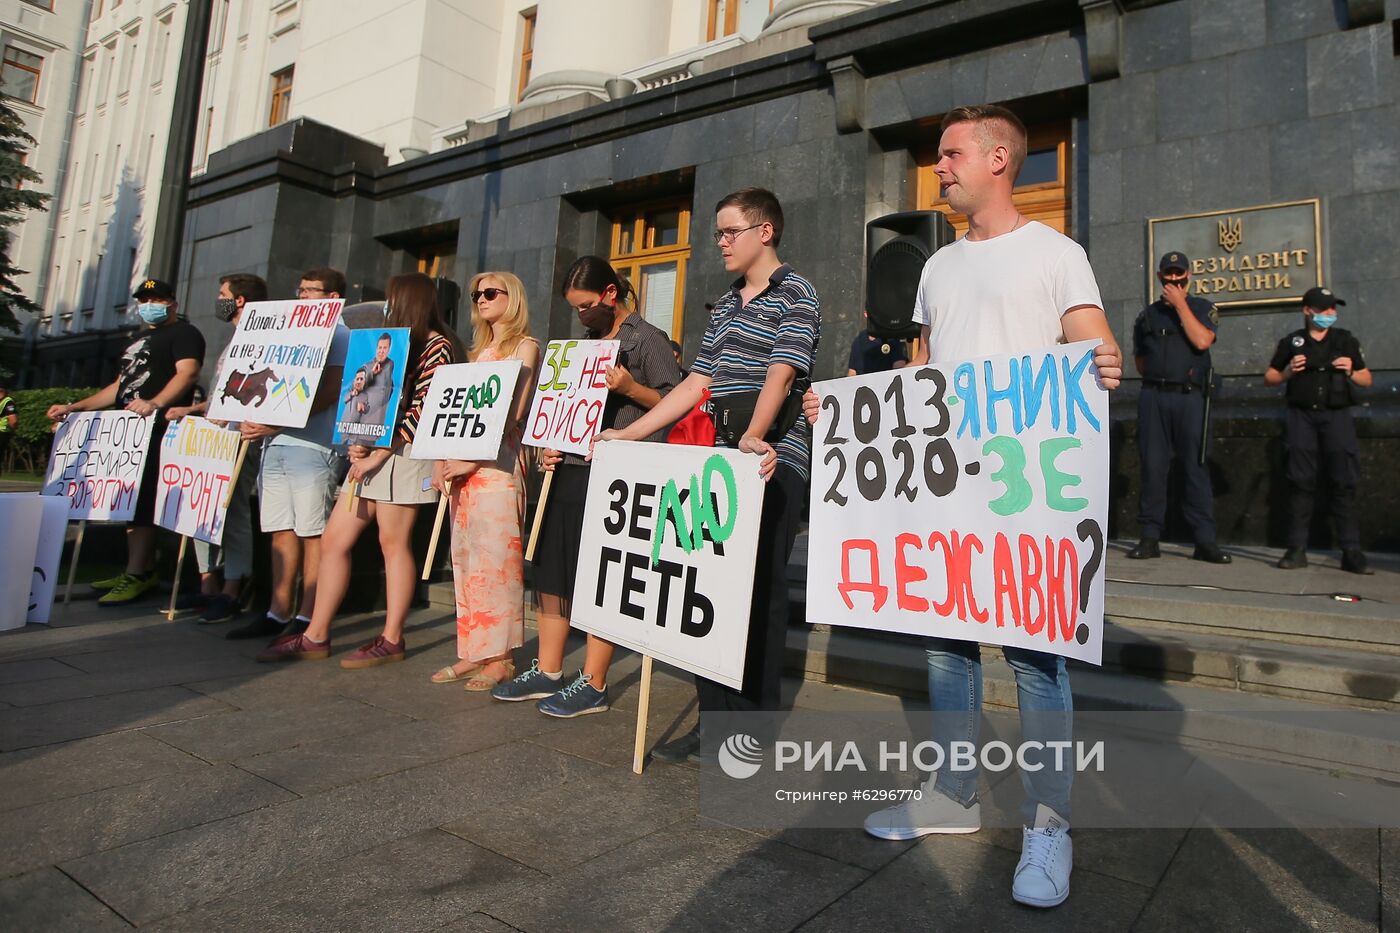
x=1171 y=348
x=1320 y=363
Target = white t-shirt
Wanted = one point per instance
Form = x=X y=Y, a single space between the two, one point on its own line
x=317 y=432
x=1003 y=295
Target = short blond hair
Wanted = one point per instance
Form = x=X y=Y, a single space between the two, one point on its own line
x=995 y=126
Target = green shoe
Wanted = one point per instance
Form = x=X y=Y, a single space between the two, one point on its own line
x=130 y=589
x=111 y=583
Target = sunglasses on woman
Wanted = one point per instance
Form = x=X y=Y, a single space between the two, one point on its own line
x=491 y=294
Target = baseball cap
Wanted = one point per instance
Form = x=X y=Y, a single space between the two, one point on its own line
x=1174 y=260
x=1320 y=299
x=155 y=288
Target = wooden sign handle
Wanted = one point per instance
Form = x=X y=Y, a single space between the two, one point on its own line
x=437 y=530
x=175 y=586
x=73 y=563
x=539 y=515
x=639 y=746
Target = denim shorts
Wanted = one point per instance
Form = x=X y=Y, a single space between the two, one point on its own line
x=297 y=488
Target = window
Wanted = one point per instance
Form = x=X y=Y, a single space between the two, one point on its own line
x=650 y=247
x=128 y=63
x=20 y=75
x=162 y=51
x=41 y=4
x=201 y=156
x=1042 y=189
x=218 y=26
x=96 y=8
x=727 y=17
x=281 y=97
x=527 y=51
x=104 y=80
x=435 y=259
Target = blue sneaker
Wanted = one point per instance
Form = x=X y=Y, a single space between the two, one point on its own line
x=577 y=699
x=527 y=685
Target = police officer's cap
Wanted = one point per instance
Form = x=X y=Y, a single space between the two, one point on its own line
x=1174 y=261
x=154 y=288
x=1320 y=299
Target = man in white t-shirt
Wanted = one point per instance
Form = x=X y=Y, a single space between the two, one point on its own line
x=1010 y=285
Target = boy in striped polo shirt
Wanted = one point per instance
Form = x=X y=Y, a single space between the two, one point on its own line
x=756 y=360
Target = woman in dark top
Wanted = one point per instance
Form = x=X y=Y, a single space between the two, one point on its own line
x=646 y=371
x=391 y=486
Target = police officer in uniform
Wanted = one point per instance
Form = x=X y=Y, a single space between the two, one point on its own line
x=1320 y=363
x=1171 y=348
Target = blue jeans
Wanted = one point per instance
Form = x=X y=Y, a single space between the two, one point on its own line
x=1047 y=714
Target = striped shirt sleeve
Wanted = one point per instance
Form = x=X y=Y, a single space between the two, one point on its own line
x=798 y=328
x=438 y=352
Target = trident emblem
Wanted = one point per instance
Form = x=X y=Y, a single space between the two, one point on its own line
x=1231 y=233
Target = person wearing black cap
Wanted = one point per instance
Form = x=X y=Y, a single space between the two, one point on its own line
x=158 y=370
x=1171 y=348
x=1320 y=363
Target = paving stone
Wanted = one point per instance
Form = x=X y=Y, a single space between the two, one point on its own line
x=32 y=669
x=1269 y=879
x=241 y=733
x=75 y=719
x=119 y=680
x=705 y=878
x=1390 y=881
x=954 y=877
x=415 y=883
x=477 y=923
x=560 y=827
x=54 y=772
x=48 y=833
x=47 y=899
x=198 y=865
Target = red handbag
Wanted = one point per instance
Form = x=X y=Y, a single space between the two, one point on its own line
x=697 y=428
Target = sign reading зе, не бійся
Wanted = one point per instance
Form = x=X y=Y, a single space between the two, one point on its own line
x=1269 y=254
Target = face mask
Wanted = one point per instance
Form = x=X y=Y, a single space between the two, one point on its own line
x=1324 y=321
x=599 y=317
x=152 y=313
x=225 y=309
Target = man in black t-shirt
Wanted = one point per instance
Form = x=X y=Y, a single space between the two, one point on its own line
x=1320 y=363
x=871 y=354
x=158 y=370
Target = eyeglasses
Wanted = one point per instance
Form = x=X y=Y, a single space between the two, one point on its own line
x=306 y=291
x=729 y=236
x=491 y=294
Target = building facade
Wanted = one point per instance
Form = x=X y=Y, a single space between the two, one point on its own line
x=1143 y=115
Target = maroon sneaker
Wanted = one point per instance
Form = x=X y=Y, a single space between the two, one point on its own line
x=380 y=651
x=295 y=648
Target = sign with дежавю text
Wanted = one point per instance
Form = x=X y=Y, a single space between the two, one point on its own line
x=466 y=411
x=96 y=462
x=965 y=500
x=666 y=560
x=567 y=409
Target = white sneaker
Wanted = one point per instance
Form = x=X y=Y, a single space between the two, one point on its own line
x=935 y=813
x=1047 y=855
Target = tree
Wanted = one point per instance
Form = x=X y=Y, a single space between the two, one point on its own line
x=16 y=197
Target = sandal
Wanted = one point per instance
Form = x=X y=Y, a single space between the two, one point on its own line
x=449 y=674
x=484 y=683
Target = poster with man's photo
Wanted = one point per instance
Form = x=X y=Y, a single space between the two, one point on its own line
x=372 y=388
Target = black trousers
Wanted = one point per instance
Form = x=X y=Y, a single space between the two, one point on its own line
x=1169 y=424
x=769 y=611
x=1327 y=439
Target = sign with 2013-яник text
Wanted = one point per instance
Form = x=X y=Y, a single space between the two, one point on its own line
x=965 y=500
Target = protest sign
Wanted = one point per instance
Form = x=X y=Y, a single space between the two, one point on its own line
x=965 y=500
x=466 y=410
x=96 y=463
x=666 y=561
x=375 y=365
x=21 y=515
x=567 y=409
x=272 y=367
x=48 y=559
x=196 y=468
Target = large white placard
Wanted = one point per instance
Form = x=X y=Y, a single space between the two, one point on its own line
x=21 y=515
x=666 y=562
x=965 y=500
x=48 y=555
x=273 y=364
x=196 y=466
x=466 y=410
x=567 y=409
x=96 y=463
